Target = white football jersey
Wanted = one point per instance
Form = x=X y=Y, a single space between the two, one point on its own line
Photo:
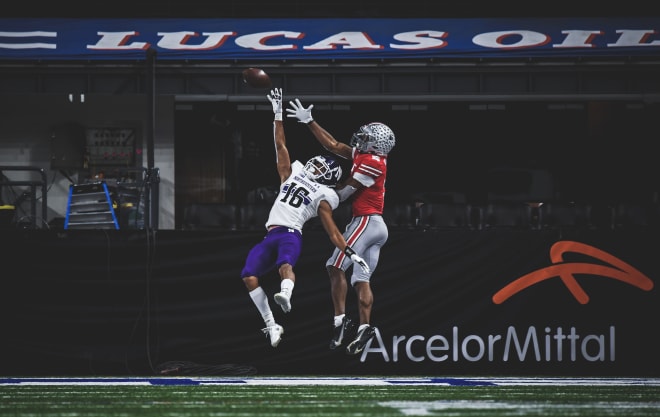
x=299 y=199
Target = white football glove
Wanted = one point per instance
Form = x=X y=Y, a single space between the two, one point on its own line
x=356 y=259
x=275 y=98
x=304 y=115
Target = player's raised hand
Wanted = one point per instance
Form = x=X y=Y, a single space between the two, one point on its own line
x=304 y=115
x=275 y=98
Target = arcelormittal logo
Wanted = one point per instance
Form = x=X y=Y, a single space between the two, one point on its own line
x=566 y=271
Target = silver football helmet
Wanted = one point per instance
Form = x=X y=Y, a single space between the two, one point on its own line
x=324 y=170
x=376 y=138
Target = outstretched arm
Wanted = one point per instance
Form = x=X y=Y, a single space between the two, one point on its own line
x=281 y=151
x=336 y=237
x=304 y=115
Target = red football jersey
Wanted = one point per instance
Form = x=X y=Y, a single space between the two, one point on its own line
x=369 y=170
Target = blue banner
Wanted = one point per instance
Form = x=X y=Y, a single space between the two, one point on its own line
x=326 y=39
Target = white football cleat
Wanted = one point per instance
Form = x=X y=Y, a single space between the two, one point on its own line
x=283 y=300
x=274 y=333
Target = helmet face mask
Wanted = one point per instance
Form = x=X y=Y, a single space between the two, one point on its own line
x=324 y=170
x=376 y=138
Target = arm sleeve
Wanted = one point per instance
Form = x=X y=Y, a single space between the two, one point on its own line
x=346 y=192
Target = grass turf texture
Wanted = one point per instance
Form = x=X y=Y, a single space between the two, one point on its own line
x=327 y=400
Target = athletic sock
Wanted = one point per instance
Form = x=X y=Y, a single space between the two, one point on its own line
x=286 y=286
x=260 y=300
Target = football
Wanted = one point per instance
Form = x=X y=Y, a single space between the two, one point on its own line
x=256 y=77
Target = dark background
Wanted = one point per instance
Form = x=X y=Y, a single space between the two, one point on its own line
x=600 y=153
x=325 y=9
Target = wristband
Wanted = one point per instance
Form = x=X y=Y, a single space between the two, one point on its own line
x=278 y=116
x=349 y=251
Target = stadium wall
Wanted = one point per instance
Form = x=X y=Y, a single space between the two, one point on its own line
x=498 y=302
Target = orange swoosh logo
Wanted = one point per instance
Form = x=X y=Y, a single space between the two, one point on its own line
x=567 y=271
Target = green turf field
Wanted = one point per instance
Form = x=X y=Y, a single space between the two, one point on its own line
x=345 y=397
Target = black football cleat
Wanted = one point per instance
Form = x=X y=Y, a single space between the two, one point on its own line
x=361 y=341
x=341 y=333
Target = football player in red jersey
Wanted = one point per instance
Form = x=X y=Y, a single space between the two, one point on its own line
x=367 y=232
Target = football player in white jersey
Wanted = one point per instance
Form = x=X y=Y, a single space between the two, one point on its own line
x=305 y=192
